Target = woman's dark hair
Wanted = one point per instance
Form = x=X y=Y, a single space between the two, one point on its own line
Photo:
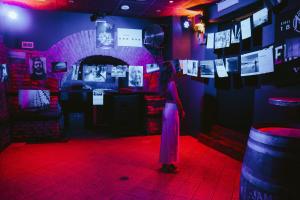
x=166 y=73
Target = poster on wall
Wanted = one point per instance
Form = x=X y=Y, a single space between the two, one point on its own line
x=220 y=67
x=192 y=68
x=135 y=76
x=37 y=68
x=96 y=73
x=130 y=37
x=293 y=47
x=232 y=64
x=17 y=57
x=287 y=25
x=98 y=96
x=154 y=67
x=105 y=35
x=260 y=17
x=75 y=71
x=222 y=39
x=207 y=69
x=119 y=71
x=246 y=28
x=258 y=62
x=210 y=40
x=3 y=73
x=59 y=67
x=235 y=34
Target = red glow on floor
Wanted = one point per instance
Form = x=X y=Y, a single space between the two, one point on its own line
x=120 y=168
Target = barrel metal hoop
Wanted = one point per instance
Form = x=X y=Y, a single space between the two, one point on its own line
x=270 y=152
x=261 y=137
x=260 y=183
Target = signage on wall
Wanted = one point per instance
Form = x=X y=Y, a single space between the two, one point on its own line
x=27 y=45
x=226 y=4
x=130 y=37
x=288 y=24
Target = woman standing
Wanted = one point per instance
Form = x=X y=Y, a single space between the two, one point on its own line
x=170 y=128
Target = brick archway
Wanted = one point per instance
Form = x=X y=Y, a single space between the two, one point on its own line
x=82 y=44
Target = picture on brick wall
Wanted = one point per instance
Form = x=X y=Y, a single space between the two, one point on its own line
x=17 y=57
x=119 y=71
x=152 y=67
x=135 y=77
x=37 y=68
x=3 y=72
x=59 y=67
x=96 y=73
x=34 y=100
x=105 y=35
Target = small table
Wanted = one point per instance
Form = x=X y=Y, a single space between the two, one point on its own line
x=285 y=101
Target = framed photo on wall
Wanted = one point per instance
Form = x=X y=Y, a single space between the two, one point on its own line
x=37 y=68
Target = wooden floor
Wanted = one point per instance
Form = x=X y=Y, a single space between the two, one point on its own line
x=118 y=168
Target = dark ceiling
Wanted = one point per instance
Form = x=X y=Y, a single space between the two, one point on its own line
x=138 y=8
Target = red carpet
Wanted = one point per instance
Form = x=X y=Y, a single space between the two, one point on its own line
x=121 y=169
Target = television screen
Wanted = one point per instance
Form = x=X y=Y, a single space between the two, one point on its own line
x=222 y=39
x=152 y=67
x=59 y=67
x=98 y=96
x=34 y=100
x=192 y=68
x=75 y=71
x=236 y=34
x=119 y=71
x=207 y=69
x=232 y=64
x=260 y=17
x=246 y=28
x=210 y=40
x=220 y=67
x=258 y=62
x=3 y=72
x=135 y=76
x=95 y=73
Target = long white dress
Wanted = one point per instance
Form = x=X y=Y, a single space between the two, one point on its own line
x=170 y=134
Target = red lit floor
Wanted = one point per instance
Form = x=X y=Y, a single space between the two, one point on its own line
x=118 y=169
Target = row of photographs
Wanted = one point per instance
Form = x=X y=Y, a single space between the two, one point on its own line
x=239 y=31
x=254 y=63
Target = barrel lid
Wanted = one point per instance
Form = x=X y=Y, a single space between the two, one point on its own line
x=285 y=101
x=281 y=131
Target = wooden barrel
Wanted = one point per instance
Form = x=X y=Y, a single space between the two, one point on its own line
x=271 y=166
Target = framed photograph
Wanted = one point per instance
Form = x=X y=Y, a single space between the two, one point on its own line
x=59 y=67
x=249 y=64
x=37 y=68
x=192 y=68
x=98 y=97
x=95 y=73
x=119 y=71
x=135 y=76
x=207 y=69
x=220 y=67
x=235 y=34
x=222 y=39
x=105 y=35
x=261 y=17
x=3 y=73
x=246 y=28
x=232 y=64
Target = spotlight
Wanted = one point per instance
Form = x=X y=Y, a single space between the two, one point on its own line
x=12 y=15
x=186 y=23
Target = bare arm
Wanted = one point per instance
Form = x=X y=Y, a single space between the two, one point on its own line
x=174 y=93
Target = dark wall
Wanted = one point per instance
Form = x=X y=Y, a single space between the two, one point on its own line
x=233 y=107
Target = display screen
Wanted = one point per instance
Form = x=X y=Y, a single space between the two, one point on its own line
x=152 y=67
x=220 y=67
x=246 y=28
x=258 y=62
x=293 y=47
x=232 y=64
x=34 y=100
x=98 y=96
x=3 y=72
x=59 y=67
x=192 y=68
x=260 y=17
x=119 y=71
x=135 y=76
x=222 y=39
x=235 y=34
x=207 y=69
